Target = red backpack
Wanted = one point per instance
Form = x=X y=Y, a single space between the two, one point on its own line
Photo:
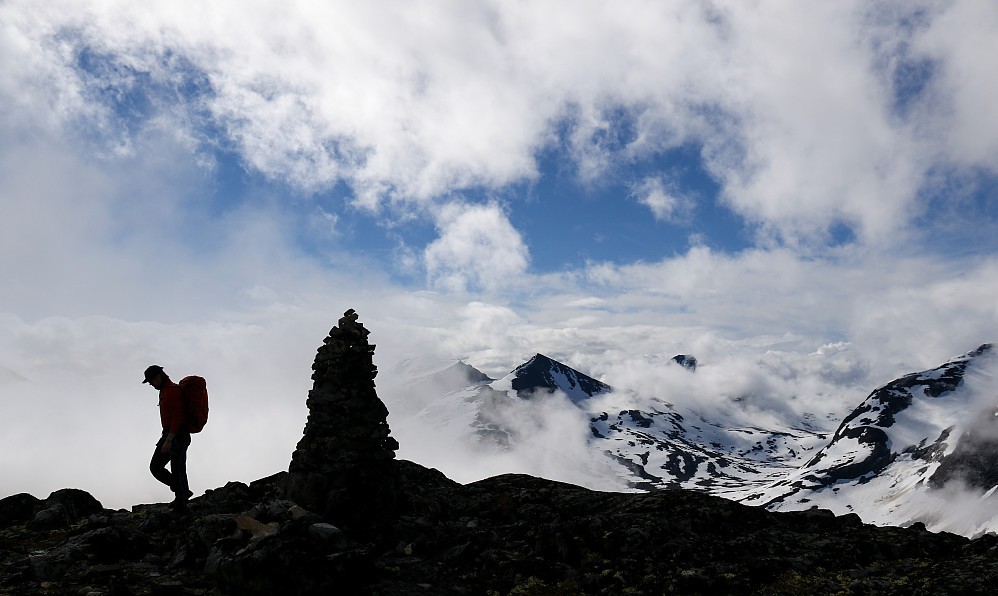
x=195 y=402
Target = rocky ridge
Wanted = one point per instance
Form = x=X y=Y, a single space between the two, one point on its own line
x=509 y=534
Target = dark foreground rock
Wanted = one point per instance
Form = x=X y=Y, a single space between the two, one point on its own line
x=510 y=534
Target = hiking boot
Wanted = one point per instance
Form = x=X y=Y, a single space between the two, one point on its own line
x=180 y=503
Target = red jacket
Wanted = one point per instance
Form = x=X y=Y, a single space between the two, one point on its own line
x=171 y=407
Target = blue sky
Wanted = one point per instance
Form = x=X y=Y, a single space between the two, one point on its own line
x=803 y=195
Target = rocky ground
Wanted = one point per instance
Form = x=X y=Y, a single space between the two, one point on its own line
x=511 y=534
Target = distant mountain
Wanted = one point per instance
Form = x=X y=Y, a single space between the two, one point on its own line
x=890 y=459
x=452 y=377
x=664 y=449
x=465 y=403
x=659 y=448
x=11 y=376
x=685 y=360
x=894 y=457
x=541 y=374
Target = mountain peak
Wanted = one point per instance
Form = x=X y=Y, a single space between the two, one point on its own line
x=686 y=361
x=546 y=375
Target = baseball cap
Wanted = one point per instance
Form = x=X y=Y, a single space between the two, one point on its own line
x=152 y=371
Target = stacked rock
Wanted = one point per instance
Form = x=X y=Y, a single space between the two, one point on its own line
x=343 y=466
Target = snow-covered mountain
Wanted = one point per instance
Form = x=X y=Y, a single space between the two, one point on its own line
x=664 y=449
x=657 y=447
x=542 y=375
x=905 y=453
x=466 y=403
x=920 y=448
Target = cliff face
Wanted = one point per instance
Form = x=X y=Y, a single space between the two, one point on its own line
x=342 y=467
x=347 y=518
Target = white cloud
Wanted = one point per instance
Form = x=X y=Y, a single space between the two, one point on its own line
x=817 y=142
x=663 y=201
x=902 y=314
x=477 y=249
x=412 y=102
x=960 y=111
x=37 y=86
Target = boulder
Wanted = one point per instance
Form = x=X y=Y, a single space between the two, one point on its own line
x=17 y=509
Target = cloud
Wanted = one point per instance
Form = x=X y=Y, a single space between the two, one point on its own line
x=957 y=109
x=406 y=104
x=477 y=249
x=655 y=194
x=548 y=438
x=817 y=144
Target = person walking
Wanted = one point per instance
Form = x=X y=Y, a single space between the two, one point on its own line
x=172 y=446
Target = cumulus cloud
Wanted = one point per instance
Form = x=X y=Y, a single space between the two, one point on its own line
x=409 y=103
x=477 y=249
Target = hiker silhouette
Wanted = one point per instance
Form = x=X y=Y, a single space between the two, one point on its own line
x=172 y=445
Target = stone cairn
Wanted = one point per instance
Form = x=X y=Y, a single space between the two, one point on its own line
x=343 y=466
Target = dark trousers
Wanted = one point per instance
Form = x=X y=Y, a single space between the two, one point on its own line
x=176 y=478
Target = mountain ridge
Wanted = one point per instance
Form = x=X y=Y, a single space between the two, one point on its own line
x=910 y=430
x=510 y=534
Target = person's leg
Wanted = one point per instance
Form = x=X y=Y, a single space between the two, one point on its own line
x=178 y=466
x=158 y=465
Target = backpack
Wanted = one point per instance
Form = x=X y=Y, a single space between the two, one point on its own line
x=195 y=393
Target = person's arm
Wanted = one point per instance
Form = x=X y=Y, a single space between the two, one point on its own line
x=174 y=402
